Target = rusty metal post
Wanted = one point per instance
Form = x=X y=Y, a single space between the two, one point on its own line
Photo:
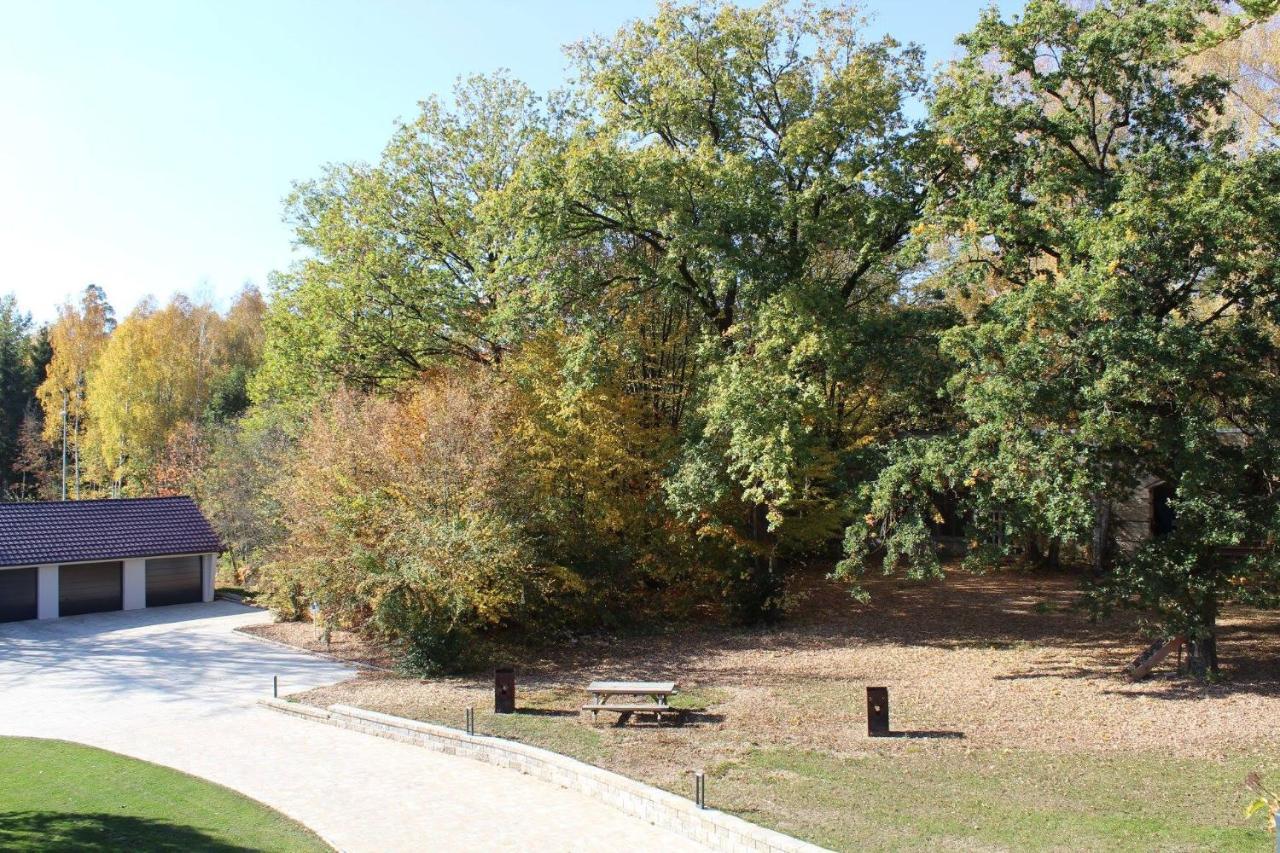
x=504 y=690
x=877 y=711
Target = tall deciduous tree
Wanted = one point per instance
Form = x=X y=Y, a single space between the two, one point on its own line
x=1120 y=262
x=238 y=351
x=76 y=339
x=153 y=375
x=409 y=258
x=755 y=164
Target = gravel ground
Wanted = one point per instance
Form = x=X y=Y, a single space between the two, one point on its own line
x=976 y=661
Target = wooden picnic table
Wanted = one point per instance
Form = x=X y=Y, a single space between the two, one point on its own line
x=658 y=692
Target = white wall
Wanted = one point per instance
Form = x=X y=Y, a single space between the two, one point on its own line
x=47 y=592
x=208 y=569
x=135 y=583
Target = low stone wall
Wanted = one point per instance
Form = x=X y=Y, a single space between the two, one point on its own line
x=715 y=829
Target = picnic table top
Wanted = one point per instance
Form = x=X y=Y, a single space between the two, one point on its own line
x=632 y=688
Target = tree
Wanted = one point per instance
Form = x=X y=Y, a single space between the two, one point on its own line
x=757 y=166
x=410 y=258
x=76 y=339
x=152 y=377
x=238 y=352
x=1245 y=52
x=35 y=474
x=1119 y=264
x=15 y=383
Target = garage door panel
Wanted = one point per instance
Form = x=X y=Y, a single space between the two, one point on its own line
x=17 y=594
x=90 y=588
x=174 y=580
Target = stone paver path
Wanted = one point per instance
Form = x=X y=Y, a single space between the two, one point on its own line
x=176 y=686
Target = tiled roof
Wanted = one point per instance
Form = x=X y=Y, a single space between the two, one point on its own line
x=71 y=531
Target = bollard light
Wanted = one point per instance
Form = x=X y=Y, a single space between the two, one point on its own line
x=471 y=719
x=700 y=789
x=275 y=687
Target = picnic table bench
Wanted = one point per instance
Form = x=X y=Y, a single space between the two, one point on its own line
x=657 y=692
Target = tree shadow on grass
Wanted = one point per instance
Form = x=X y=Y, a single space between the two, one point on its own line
x=95 y=831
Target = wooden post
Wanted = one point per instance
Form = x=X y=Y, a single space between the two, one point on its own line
x=877 y=711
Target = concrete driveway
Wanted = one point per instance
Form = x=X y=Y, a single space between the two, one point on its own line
x=176 y=686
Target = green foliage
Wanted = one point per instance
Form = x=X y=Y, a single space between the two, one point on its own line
x=22 y=359
x=1118 y=265
x=720 y=305
x=755 y=164
x=408 y=259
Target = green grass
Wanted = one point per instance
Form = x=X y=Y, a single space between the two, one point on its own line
x=917 y=797
x=541 y=721
x=993 y=800
x=56 y=795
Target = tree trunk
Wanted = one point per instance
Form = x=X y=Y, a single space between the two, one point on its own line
x=758 y=595
x=1101 y=537
x=1202 y=647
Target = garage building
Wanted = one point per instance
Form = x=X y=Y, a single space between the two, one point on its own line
x=63 y=558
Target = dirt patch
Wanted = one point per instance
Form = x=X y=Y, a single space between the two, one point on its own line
x=977 y=661
x=343 y=645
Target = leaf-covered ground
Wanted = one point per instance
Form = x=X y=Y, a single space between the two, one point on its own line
x=1019 y=731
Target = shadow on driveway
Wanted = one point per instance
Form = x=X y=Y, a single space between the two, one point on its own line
x=185 y=653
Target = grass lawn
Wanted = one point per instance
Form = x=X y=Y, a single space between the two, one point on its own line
x=56 y=795
x=1022 y=733
x=918 y=796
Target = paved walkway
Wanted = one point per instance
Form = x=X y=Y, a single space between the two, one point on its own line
x=176 y=686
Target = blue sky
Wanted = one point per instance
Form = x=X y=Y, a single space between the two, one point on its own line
x=146 y=146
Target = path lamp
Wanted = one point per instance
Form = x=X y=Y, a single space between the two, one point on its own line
x=700 y=789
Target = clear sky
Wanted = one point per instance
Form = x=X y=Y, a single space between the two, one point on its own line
x=146 y=145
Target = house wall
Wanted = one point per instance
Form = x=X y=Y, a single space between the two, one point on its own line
x=208 y=573
x=1131 y=519
x=47 y=592
x=135 y=583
